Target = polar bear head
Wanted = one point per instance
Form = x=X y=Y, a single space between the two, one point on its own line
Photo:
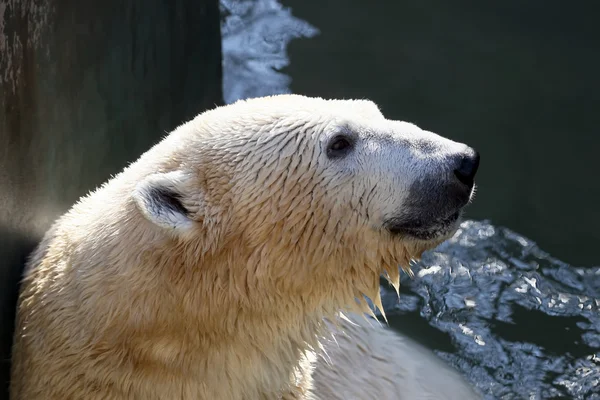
x=305 y=195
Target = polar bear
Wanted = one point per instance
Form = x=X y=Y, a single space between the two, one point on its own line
x=366 y=361
x=213 y=266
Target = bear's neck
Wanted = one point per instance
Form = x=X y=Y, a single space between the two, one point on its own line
x=237 y=337
x=242 y=323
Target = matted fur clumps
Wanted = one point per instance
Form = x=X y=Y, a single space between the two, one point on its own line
x=204 y=270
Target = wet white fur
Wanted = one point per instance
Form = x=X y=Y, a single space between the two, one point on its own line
x=128 y=297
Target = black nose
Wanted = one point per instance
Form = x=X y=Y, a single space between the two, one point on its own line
x=467 y=167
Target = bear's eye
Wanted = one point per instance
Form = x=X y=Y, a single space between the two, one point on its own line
x=339 y=146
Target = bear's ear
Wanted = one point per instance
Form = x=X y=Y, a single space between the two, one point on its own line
x=162 y=199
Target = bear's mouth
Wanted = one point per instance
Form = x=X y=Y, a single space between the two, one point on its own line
x=424 y=228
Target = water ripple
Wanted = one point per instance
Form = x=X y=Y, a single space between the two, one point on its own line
x=255 y=38
x=522 y=324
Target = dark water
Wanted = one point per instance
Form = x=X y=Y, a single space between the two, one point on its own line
x=516 y=322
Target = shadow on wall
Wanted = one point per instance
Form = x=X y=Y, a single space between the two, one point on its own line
x=13 y=253
x=84 y=89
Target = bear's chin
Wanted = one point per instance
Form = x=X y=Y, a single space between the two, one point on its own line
x=434 y=230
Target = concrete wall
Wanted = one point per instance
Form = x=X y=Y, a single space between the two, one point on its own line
x=85 y=87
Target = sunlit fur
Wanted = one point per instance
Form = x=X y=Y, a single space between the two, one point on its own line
x=366 y=360
x=228 y=301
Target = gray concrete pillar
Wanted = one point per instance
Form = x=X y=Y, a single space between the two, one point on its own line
x=86 y=87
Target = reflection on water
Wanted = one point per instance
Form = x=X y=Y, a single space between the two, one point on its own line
x=515 y=321
x=255 y=37
x=521 y=324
